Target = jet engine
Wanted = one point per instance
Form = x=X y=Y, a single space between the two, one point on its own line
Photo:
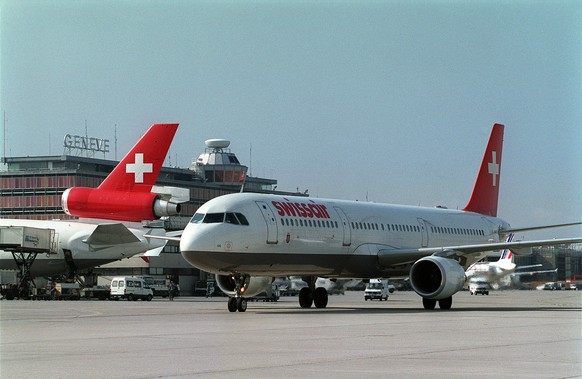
x=252 y=285
x=116 y=205
x=436 y=277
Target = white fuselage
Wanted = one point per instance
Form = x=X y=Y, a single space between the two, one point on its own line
x=71 y=236
x=305 y=236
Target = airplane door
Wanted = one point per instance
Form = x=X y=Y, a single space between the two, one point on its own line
x=423 y=232
x=270 y=220
x=346 y=227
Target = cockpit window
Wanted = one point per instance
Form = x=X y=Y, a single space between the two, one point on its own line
x=231 y=219
x=215 y=218
x=197 y=218
x=212 y=218
x=242 y=219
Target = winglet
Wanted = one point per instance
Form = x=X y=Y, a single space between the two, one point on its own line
x=486 y=191
x=139 y=169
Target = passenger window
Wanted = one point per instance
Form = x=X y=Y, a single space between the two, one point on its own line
x=213 y=218
x=197 y=218
x=242 y=219
x=138 y=284
x=114 y=283
x=121 y=283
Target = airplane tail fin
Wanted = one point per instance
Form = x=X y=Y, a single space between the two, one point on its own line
x=139 y=169
x=506 y=254
x=486 y=190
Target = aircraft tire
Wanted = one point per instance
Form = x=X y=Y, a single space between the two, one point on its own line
x=305 y=297
x=241 y=304
x=446 y=303
x=232 y=305
x=428 y=303
x=320 y=297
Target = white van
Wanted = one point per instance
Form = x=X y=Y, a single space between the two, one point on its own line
x=479 y=286
x=378 y=289
x=130 y=288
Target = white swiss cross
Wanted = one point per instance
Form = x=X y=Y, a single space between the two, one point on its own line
x=494 y=168
x=139 y=168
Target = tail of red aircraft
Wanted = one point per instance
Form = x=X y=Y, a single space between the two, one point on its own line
x=125 y=194
x=486 y=191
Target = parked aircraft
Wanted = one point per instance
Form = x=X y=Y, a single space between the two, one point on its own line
x=501 y=272
x=246 y=239
x=125 y=195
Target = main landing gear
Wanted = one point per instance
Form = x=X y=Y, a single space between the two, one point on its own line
x=443 y=303
x=238 y=302
x=311 y=295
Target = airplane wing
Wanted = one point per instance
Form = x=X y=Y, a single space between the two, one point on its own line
x=527 y=229
x=393 y=257
x=533 y=272
x=173 y=238
x=111 y=234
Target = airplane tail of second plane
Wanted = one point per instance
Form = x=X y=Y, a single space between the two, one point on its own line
x=139 y=169
x=126 y=194
x=485 y=194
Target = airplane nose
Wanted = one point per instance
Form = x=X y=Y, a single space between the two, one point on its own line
x=196 y=238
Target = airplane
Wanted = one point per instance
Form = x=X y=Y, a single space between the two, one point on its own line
x=501 y=272
x=246 y=239
x=126 y=195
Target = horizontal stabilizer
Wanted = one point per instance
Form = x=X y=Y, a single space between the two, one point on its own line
x=154 y=252
x=173 y=194
x=111 y=234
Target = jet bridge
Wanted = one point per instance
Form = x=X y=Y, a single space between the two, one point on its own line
x=25 y=243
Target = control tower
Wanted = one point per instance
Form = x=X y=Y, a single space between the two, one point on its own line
x=219 y=165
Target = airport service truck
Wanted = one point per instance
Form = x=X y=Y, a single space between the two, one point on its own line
x=377 y=289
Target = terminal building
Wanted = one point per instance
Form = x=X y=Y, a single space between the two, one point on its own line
x=31 y=188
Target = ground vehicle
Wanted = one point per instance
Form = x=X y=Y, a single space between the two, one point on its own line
x=158 y=285
x=130 y=288
x=479 y=286
x=378 y=289
x=271 y=294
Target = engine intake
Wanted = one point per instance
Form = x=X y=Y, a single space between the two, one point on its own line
x=437 y=277
x=252 y=286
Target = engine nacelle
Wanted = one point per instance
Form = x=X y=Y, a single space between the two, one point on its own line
x=116 y=205
x=437 y=278
x=252 y=286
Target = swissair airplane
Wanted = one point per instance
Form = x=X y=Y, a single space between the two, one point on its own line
x=246 y=239
x=125 y=195
x=499 y=273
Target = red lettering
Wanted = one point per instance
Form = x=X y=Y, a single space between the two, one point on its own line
x=323 y=211
x=289 y=210
x=308 y=211
x=280 y=209
x=315 y=210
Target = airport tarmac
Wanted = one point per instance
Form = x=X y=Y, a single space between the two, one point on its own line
x=517 y=334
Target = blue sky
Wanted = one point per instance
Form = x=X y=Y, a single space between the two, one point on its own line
x=393 y=99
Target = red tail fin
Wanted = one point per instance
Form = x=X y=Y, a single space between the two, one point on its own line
x=126 y=193
x=486 y=191
x=139 y=169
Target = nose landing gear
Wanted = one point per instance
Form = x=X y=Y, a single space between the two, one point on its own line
x=238 y=302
